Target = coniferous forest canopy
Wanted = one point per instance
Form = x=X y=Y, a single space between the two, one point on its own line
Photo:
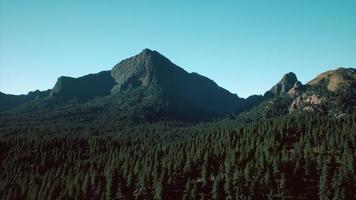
x=295 y=157
x=148 y=129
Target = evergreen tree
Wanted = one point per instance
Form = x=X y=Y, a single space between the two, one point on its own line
x=324 y=185
x=188 y=189
x=194 y=192
x=282 y=187
x=218 y=188
x=160 y=186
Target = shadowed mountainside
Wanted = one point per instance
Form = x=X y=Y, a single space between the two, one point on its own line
x=148 y=86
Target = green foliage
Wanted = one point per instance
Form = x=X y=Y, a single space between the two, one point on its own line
x=218 y=188
x=292 y=157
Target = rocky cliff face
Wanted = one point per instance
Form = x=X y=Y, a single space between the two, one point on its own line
x=332 y=92
x=285 y=84
x=297 y=90
x=312 y=103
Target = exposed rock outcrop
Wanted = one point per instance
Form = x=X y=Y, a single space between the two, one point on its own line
x=296 y=90
x=312 y=103
x=285 y=84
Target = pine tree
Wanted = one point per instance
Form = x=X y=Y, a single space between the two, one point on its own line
x=205 y=174
x=228 y=183
x=282 y=187
x=237 y=182
x=218 y=188
x=112 y=183
x=86 y=186
x=160 y=186
x=194 y=192
x=158 y=190
x=188 y=189
x=324 y=185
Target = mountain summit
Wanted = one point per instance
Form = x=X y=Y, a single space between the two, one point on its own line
x=149 y=87
x=285 y=84
x=147 y=84
x=186 y=95
x=332 y=93
x=147 y=69
x=334 y=80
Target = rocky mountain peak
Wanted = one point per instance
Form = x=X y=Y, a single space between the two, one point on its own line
x=147 y=51
x=184 y=95
x=148 y=69
x=285 y=84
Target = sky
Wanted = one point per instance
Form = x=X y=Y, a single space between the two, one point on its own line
x=245 y=46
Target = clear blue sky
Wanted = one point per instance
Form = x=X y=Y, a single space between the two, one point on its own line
x=245 y=46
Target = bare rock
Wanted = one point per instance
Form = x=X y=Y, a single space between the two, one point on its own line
x=296 y=90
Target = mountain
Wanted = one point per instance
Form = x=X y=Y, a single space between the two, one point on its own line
x=131 y=133
x=9 y=101
x=66 y=90
x=84 y=88
x=332 y=93
x=186 y=95
x=285 y=84
x=147 y=86
x=335 y=80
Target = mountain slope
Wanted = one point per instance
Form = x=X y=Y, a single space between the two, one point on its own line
x=331 y=93
x=83 y=88
x=187 y=95
x=335 y=80
x=147 y=86
x=9 y=101
x=285 y=84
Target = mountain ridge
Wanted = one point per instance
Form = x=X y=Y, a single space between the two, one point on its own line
x=285 y=84
x=150 y=82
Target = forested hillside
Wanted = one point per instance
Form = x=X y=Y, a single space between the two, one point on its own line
x=305 y=156
x=148 y=129
x=178 y=100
